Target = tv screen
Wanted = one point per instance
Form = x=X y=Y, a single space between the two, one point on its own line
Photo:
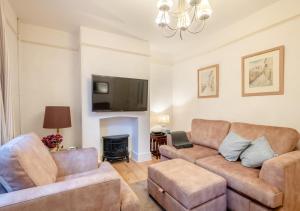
x=119 y=94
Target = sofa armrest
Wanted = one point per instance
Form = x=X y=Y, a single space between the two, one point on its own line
x=169 y=138
x=189 y=136
x=75 y=161
x=284 y=172
x=95 y=192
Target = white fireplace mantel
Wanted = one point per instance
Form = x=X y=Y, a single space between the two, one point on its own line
x=140 y=146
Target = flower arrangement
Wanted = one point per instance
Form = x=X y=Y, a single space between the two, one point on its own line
x=53 y=141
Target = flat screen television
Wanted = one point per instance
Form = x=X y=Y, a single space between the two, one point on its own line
x=119 y=94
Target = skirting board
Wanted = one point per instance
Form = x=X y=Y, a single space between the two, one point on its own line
x=141 y=157
x=134 y=156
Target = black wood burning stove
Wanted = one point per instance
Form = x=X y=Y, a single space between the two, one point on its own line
x=115 y=148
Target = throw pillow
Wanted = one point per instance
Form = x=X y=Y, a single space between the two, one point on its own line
x=180 y=140
x=2 y=190
x=258 y=152
x=4 y=187
x=232 y=146
x=26 y=162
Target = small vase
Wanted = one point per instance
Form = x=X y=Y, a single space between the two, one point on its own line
x=56 y=148
x=53 y=149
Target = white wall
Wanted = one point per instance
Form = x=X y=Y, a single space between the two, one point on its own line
x=271 y=110
x=49 y=76
x=266 y=18
x=160 y=92
x=12 y=46
x=112 y=55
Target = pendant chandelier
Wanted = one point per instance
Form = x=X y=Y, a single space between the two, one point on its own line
x=190 y=16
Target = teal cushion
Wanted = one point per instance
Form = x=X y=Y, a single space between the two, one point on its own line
x=232 y=146
x=258 y=152
x=3 y=186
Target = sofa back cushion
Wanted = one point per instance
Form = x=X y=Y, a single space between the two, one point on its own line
x=26 y=162
x=209 y=133
x=281 y=139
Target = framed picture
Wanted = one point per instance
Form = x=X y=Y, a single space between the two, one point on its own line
x=263 y=73
x=208 y=82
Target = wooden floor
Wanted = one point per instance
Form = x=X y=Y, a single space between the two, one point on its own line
x=133 y=172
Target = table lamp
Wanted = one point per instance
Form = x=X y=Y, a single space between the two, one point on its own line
x=164 y=119
x=57 y=117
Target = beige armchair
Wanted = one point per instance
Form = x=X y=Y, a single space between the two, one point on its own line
x=67 y=180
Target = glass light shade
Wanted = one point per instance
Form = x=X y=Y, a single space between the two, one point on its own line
x=194 y=2
x=164 y=5
x=164 y=119
x=204 y=10
x=162 y=18
x=183 y=21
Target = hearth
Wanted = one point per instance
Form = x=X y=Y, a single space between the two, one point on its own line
x=115 y=148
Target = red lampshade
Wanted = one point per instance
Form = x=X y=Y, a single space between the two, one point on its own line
x=57 y=117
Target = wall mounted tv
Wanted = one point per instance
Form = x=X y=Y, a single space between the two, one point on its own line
x=119 y=94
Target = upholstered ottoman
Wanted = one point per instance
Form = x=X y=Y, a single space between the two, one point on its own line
x=180 y=185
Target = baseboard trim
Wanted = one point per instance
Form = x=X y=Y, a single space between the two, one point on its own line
x=141 y=157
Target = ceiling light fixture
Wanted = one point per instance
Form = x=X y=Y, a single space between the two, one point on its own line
x=190 y=16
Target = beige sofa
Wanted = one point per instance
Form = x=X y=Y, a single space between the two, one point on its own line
x=67 y=180
x=275 y=186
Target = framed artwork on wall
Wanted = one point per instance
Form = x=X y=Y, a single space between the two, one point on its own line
x=208 y=82
x=263 y=73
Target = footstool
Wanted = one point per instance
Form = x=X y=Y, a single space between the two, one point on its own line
x=180 y=185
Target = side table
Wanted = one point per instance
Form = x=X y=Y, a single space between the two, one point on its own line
x=155 y=142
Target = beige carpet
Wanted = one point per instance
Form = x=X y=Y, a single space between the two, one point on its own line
x=147 y=203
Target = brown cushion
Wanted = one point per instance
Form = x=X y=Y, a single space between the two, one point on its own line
x=209 y=133
x=78 y=175
x=168 y=151
x=184 y=182
x=189 y=154
x=281 y=139
x=26 y=162
x=195 y=153
x=129 y=200
x=244 y=180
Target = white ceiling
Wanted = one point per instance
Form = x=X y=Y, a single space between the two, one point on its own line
x=129 y=17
